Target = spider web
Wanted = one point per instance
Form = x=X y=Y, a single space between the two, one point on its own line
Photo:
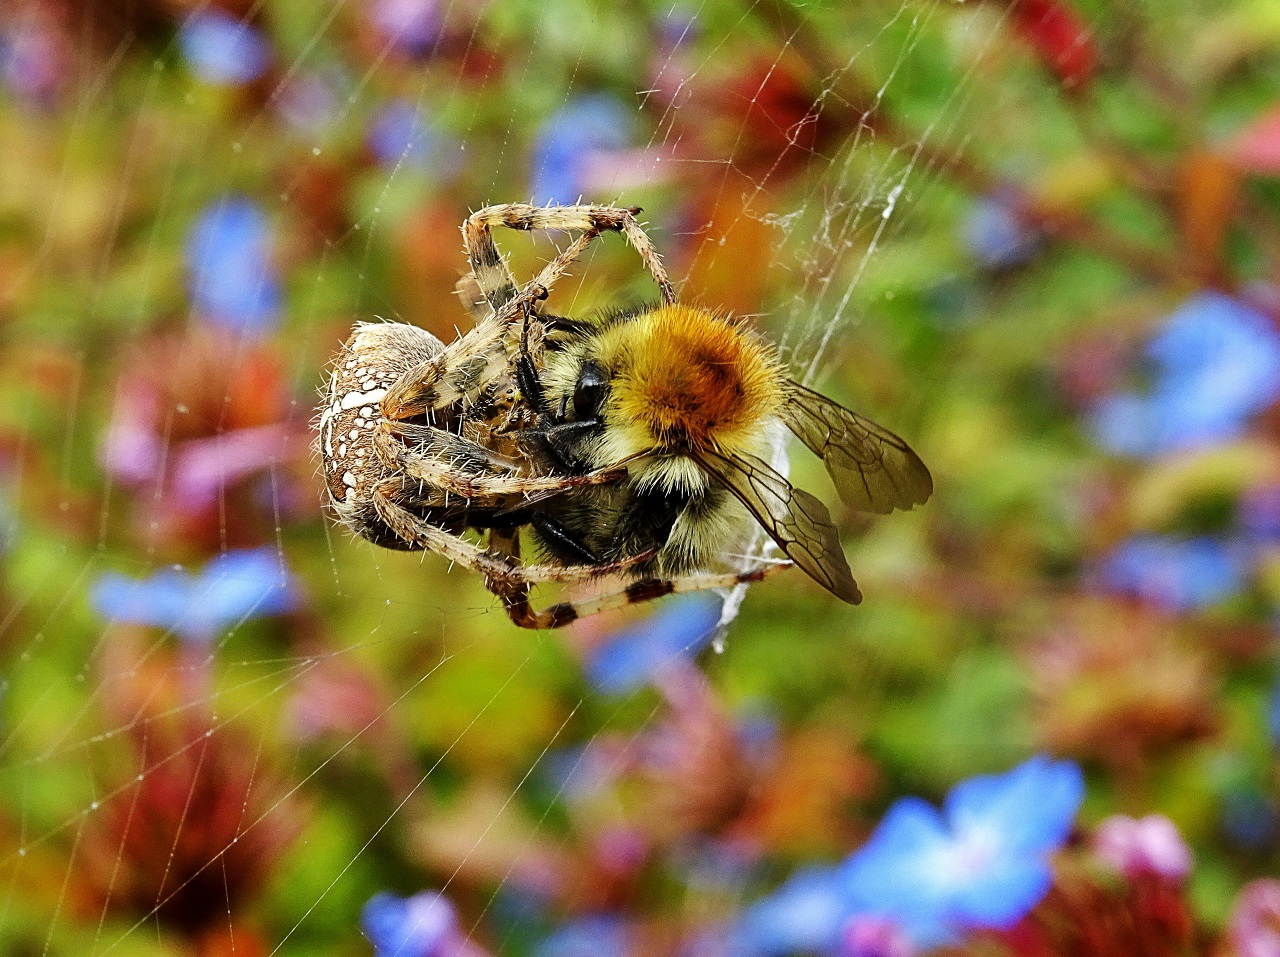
x=823 y=193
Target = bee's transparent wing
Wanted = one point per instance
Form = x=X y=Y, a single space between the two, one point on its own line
x=468 y=290
x=873 y=469
x=798 y=522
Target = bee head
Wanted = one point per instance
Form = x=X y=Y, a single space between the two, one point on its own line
x=670 y=381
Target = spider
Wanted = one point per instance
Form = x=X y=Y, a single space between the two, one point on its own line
x=632 y=446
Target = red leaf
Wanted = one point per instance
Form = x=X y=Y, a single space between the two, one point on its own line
x=1061 y=36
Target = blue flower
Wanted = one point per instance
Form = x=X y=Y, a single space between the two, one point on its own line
x=981 y=863
x=633 y=656
x=231 y=588
x=222 y=50
x=1216 y=362
x=567 y=142
x=231 y=276
x=925 y=876
x=1126 y=424
x=600 y=935
x=399 y=137
x=805 y=914
x=424 y=925
x=996 y=236
x=1175 y=574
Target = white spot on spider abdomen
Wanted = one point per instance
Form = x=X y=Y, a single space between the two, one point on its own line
x=368 y=397
x=373 y=360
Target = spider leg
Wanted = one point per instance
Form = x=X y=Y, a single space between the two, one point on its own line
x=467 y=365
x=398 y=440
x=502 y=572
x=629 y=593
x=591 y=220
x=452 y=469
x=460 y=371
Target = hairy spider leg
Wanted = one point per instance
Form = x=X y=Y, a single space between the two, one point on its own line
x=461 y=370
x=491 y=272
x=505 y=489
x=627 y=592
x=501 y=572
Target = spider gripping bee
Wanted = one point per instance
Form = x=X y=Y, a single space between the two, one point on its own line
x=633 y=447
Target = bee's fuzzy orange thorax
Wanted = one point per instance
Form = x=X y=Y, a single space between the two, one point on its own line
x=693 y=379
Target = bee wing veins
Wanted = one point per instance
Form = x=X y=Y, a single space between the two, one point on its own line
x=796 y=520
x=873 y=469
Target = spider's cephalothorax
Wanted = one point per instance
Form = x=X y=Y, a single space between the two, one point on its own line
x=633 y=447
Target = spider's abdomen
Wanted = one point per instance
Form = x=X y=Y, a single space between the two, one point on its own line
x=372 y=360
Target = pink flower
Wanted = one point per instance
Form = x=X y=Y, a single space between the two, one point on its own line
x=204 y=467
x=870 y=936
x=1143 y=846
x=1255 y=923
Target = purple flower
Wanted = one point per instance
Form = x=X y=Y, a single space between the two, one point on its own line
x=231 y=276
x=600 y=935
x=1258 y=513
x=1216 y=362
x=571 y=141
x=983 y=862
x=1255 y=921
x=1175 y=574
x=424 y=925
x=410 y=25
x=222 y=50
x=204 y=468
x=229 y=589
x=309 y=102
x=635 y=655
x=996 y=236
x=32 y=64
x=399 y=137
x=678 y=27
x=583 y=772
x=1141 y=846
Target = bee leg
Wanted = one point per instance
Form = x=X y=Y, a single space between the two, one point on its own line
x=526 y=371
x=553 y=441
x=555 y=533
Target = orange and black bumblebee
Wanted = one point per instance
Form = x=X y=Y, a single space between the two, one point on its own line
x=634 y=446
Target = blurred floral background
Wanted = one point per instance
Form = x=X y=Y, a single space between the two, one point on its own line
x=1039 y=238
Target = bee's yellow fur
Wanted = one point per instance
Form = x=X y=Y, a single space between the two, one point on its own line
x=682 y=379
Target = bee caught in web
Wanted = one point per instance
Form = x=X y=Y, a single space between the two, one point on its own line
x=632 y=448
